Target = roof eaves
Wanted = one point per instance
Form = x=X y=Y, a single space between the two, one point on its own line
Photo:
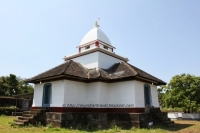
x=158 y=82
x=95 y=50
x=35 y=77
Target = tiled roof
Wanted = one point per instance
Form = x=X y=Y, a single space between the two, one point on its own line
x=76 y=70
x=144 y=74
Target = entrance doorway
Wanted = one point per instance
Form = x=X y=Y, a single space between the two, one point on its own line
x=46 y=95
x=147 y=95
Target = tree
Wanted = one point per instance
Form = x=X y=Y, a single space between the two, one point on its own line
x=8 y=85
x=24 y=87
x=12 y=85
x=182 y=91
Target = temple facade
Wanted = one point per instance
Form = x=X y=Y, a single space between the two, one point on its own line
x=95 y=79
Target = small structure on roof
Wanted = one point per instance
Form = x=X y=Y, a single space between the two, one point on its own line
x=95 y=80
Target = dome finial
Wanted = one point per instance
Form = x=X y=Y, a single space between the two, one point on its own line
x=96 y=23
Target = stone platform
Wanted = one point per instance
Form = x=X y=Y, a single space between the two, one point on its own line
x=94 y=120
x=98 y=120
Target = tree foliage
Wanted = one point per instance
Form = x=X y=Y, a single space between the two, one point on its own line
x=12 y=85
x=182 y=91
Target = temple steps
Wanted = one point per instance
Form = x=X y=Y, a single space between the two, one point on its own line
x=23 y=118
x=161 y=117
x=31 y=117
x=21 y=121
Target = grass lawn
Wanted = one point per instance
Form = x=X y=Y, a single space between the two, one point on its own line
x=182 y=126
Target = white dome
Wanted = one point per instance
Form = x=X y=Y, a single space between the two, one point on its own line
x=95 y=34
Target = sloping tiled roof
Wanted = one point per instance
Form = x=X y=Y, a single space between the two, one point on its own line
x=76 y=70
x=144 y=74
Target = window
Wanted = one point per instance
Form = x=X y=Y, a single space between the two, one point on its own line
x=105 y=47
x=46 y=95
x=147 y=95
x=87 y=47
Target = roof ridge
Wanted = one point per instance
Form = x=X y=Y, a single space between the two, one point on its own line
x=130 y=68
x=67 y=65
x=81 y=65
x=97 y=69
x=103 y=72
x=88 y=74
x=110 y=68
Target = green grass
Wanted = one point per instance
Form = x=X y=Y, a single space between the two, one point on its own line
x=182 y=126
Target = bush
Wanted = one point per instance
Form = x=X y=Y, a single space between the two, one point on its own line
x=8 y=110
x=172 y=109
x=133 y=128
x=194 y=110
x=114 y=126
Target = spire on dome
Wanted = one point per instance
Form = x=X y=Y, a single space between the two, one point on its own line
x=96 y=24
x=95 y=34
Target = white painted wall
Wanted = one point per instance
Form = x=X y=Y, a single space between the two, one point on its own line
x=99 y=93
x=126 y=94
x=139 y=91
x=82 y=49
x=92 y=46
x=57 y=98
x=172 y=115
x=101 y=46
x=103 y=92
x=88 y=61
x=121 y=93
x=97 y=59
x=57 y=93
x=194 y=116
x=38 y=94
x=109 y=49
x=106 y=61
x=154 y=96
x=187 y=116
x=75 y=92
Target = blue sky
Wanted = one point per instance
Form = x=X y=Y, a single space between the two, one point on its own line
x=161 y=37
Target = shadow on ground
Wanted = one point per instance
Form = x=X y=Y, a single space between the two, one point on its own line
x=177 y=127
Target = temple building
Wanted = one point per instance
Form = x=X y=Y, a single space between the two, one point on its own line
x=97 y=81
